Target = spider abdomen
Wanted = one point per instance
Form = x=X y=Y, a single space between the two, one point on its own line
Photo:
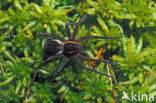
x=71 y=48
x=53 y=46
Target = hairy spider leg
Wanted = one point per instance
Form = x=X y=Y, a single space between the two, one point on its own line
x=77 y=26
x=98 y=60
x=36 y=70
x=92 y=70
x=82 y=53
x=95 y=37
x=61 y=65
x=49 y=35
x=68 y=30
x=48 y=60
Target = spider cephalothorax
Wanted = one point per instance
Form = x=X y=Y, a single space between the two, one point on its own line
x=57 y=47
x=71 y=48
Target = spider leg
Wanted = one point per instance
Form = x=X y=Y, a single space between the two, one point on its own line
x=92 y=70
x=98 y=60
x=62 y=64
x=49 y=35
x=82 y=53
x=36 y=71
x=68 y=30
x=77 y=26
x=95 y=37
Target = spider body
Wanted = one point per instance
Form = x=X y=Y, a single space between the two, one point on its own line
x=57 y=47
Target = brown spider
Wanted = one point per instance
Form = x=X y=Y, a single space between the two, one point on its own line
x=57 y=47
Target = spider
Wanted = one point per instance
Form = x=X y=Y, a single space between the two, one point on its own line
x=57 y=47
